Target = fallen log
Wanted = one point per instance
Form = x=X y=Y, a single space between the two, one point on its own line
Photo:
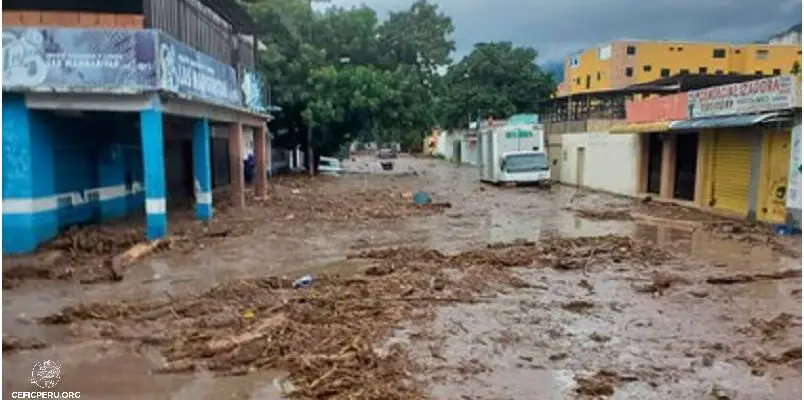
x=260 y=331
x=746 y=278
x=118 y=263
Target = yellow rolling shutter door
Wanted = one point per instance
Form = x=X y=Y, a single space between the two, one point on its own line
x=773 y=184
x=731 y=170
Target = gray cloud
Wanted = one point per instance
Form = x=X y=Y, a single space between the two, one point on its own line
x=557 y=28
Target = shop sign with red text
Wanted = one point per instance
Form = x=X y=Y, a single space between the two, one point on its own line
x=777 y=93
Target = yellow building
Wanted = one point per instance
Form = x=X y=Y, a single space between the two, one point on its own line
x=622 y=63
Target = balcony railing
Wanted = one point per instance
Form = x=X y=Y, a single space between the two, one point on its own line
x=122 y=61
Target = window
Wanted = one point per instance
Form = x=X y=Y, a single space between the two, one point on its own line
x=604 y=53
x=575 y=61
x=758 y=73
x=684 y=71
x=718 y=72
x=672 y=48
x=702 y=70
x=577 y=81
x=737 y=51
x=665 y=72
x=777 y=71
x=598 y=75
x=762 y=54
x=588 y=81
x=629 y=72
x=679 y=48
x=719 y=53
x=647 y=68
x=630 y=50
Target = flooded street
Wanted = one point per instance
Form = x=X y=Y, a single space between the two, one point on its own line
x=658 y=308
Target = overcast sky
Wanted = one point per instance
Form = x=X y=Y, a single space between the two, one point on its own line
x=557 y=28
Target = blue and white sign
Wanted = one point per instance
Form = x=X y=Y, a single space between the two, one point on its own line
x=122 y=61
x=191 y=73
x=66 y=59
x=253 y=88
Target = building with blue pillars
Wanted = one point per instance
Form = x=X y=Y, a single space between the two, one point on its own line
x=133 y=132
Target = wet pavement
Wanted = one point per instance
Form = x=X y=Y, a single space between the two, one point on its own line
x=613 y=330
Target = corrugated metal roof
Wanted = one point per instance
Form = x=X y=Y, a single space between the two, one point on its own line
x=731 y=121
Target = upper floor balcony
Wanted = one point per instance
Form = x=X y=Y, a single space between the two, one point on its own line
x=199 y=50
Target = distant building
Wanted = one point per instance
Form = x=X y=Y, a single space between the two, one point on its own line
x=790 y=36
x=619 y=64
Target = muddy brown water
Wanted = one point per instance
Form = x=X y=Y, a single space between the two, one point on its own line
x=693 y=340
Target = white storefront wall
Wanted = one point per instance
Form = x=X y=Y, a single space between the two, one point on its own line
x=469 y=153
x=609 y=163
x=794 y=176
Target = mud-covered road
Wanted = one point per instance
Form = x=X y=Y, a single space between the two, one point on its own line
x=510 y=293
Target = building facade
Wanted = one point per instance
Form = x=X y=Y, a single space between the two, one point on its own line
x=734 y=148
x=790 y=36
x=114 y=108
x=623 y=63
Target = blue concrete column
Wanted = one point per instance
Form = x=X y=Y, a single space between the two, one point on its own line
x=202 y=169
x=112 y=173
x=29 y=206
x=153 y=157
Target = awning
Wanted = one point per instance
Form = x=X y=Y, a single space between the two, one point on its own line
x=730 y=121
x=642 y=127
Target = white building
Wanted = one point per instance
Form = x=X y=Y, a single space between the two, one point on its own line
x=790 y=36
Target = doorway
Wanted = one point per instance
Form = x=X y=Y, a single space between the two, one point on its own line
x=654 y=163
x=686 y=166
x=580 y=165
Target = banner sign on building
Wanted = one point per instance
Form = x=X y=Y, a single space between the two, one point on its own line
x=776 y=93
x=66 y=59
x=253 y=87
x=191 y=73
x=122 y=61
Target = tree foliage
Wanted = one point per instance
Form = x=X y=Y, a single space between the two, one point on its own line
x=348 y=75
x=495 y=80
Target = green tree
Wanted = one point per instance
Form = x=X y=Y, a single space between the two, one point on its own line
x=495 y=80
x=419 y=36
x=796 y=68
x=347 y=75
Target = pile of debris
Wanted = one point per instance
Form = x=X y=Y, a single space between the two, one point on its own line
x=755 y=234
x=672 y=211
x=602 y=215
x=323 y=199
x=325 y=335
x=101 y=253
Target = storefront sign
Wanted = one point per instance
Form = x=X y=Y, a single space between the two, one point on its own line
x=794 y=175
x=65 y=59
x=191 y=73
x=777 y=93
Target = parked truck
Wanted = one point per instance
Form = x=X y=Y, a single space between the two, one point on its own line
x=514 y=153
